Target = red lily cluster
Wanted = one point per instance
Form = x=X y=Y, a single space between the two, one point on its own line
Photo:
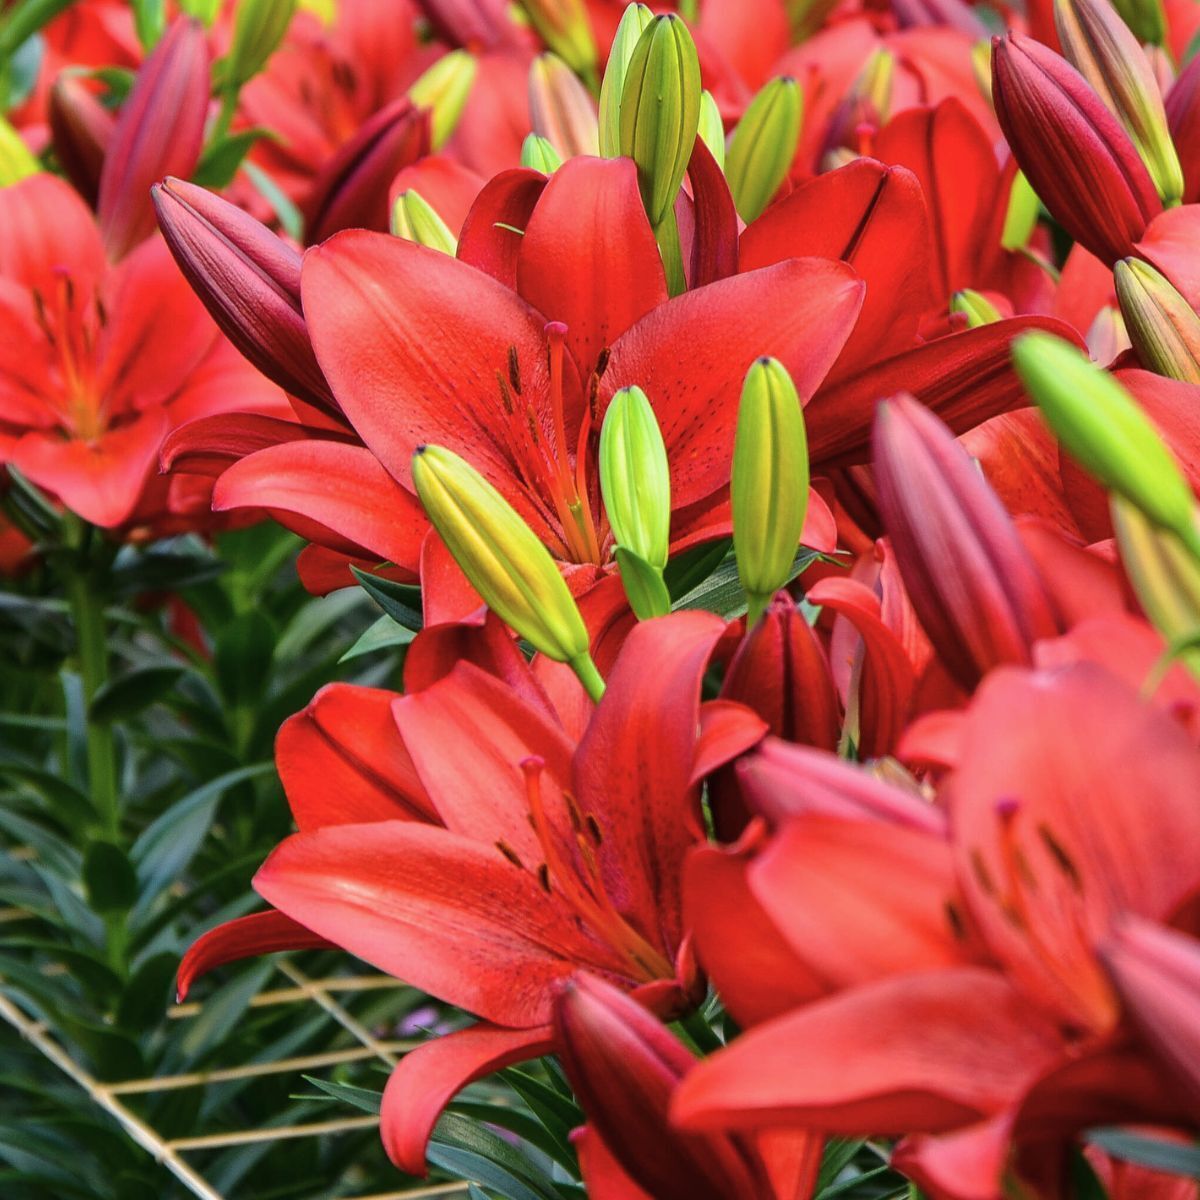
x=924 y=827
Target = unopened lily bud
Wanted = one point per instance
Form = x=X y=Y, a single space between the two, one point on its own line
x=17 y=161
x=159 y=132
x=81 y=129
x=1145 y=18
x=503 y=558
x=1183 y=116
x=258 y=28
x=633 y=22
x=444 y=90
x=1103 y=428
x=351 y=191
x=763 y=145
x=248 y=279
x=1020 y=218
x=769 y=488
x=635 y=479
x=539 y=155
x=415 y=220
x=564 y=26
x=946 y=523
x=560 y=108
x=867 y=103
x=660 y=111
x=977 y=308
x=482 y=24
x=806 y=17
x=711 y=130
x=1098 y=43
x=1163 y=327
x=1076 y=154
x=1164 y=575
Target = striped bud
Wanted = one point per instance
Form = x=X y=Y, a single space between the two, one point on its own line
x=1163 y=327
x=443 y=90
x=1098 y=43
x=17 y=161
x=248 y=279
x=978 y=309
x=633 y=22
x=1102 y=427
x=1164 y=575
x=503 y=558
x=1183 y=116
x=258 y=28
x=539 y=155
x=763 y=145
x=712 y=128
x=564 y=26
x=414 y=219
x=645 y=588
x=660 y=111
x=81 y=129
x=769 y=488
x=1020 y=218
x=1078 y=158
x=560 y=108
x=635 y=479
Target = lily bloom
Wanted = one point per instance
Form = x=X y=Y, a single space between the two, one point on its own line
x=530 y=840
x=624 y=1067
x=511 y=362
x=996 y=1032
x=98 y=363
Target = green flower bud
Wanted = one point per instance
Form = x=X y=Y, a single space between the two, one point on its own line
x=660 y=111
x=539 y=155
x=712 y=128
x=981 y=67
x=633 y=22
x=979 y=310
x=258 y=28
x=1145 y=18
x=808 y=16
x=444 y=90
x=1164 y=575
x=1101 y=426
x=415 y=220
x=635 y=480
x=763 y=145
x=644 y=586
x=1163 y=327
x=769 y=489
x=564 y=26
x=1098 y=43
x=17 y=161
x=503 y=558
x=1021 y=217
x=560 y=108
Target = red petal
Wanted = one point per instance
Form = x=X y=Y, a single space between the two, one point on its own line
x=715 y=221
x=209 y=445
x=447 y=596
x=429 y=1077
x=342 y=761
x=691 y=356
x=603 y=1176
x=489 y=240
x=245 y=937
x=446 y=185
x=339 y=487
x=727 y=730
x=965 y=1164
x=48 y=229
x=446 y=913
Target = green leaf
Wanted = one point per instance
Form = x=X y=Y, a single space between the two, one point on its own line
x=469 y=1151
x=222 y=158
x=149 y=19
x=1173 y=1157
x=242 y=658
x=385 y=634
x=22 y=73
x=722 y=591
x=289 y=215
x=401 y=601
x=356 y=1097
x=109 y=878
x=690 y=569
x=127 y=695
x=146 y=997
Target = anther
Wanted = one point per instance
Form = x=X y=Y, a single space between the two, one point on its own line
x=510 y=854
x=543 y=874
x=602 y=362
x=514 y=370
x=505 y=394
x=594 y=829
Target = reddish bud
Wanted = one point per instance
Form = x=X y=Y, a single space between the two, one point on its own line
x=1075 y=153
x=624 y=1066
x=81 y=129
x=475 y=24
x=1157 y=974
x=159 y=132
x=972 y=584
x=351 y=192
x=248 y=279
x=1183 y=119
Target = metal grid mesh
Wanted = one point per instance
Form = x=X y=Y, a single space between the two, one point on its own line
x=171 y=1153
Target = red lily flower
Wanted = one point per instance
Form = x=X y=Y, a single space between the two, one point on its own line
x=98 y=363
x=516 y=378
x=1060 y=829
x=624 y=1067
x=548 y=853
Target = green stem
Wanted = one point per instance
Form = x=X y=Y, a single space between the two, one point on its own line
x=701 y=1033
x=666 y=234
x=591 y=679
x=229 y=103
x=87 y=611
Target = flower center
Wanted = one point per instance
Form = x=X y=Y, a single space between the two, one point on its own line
x=67 y=326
